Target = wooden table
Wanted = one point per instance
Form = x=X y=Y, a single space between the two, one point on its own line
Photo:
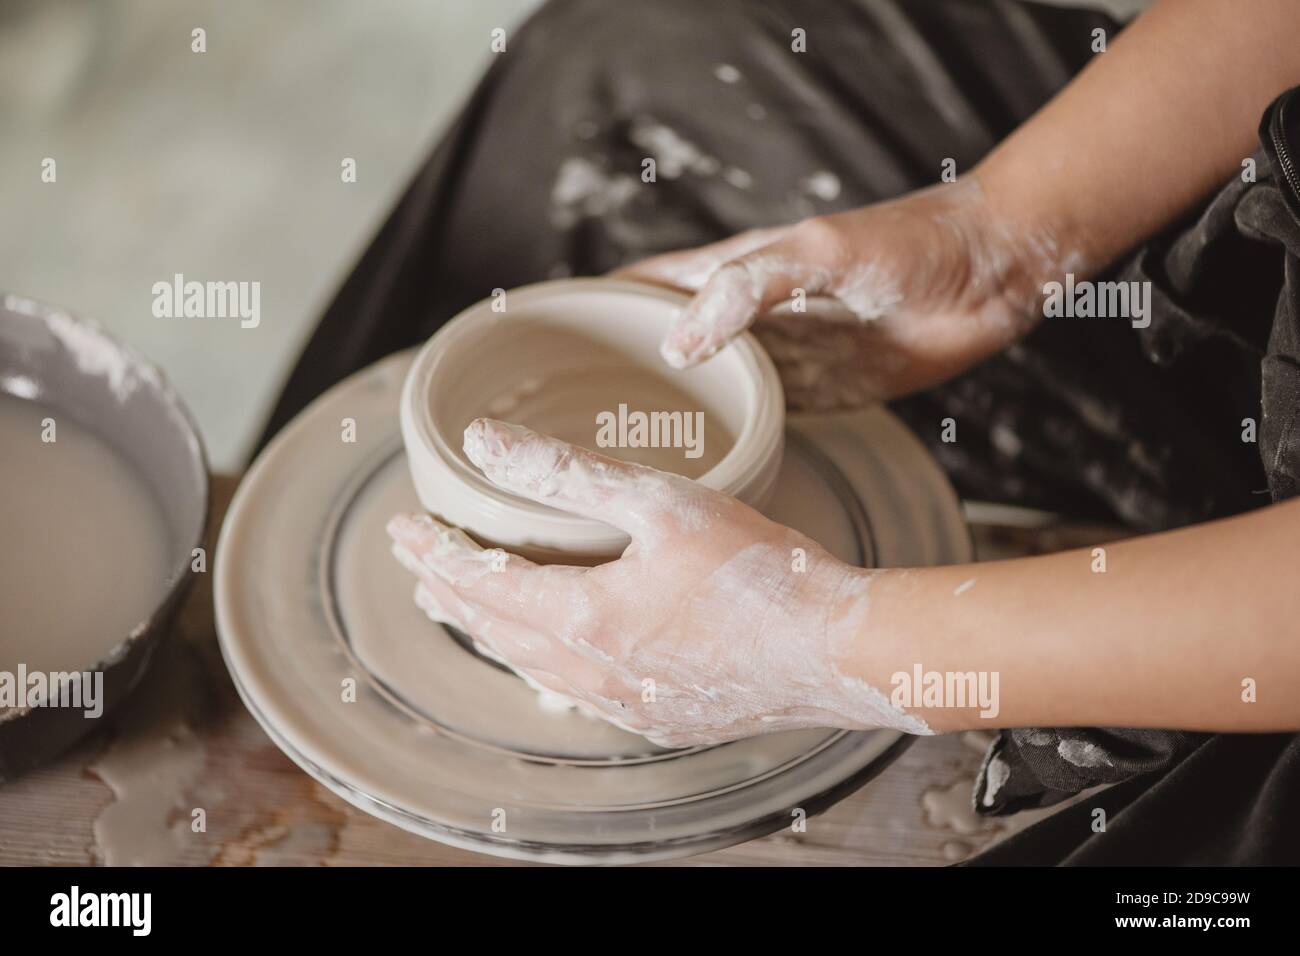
x=184 y=743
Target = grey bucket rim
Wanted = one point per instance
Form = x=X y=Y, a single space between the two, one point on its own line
x=181 y=575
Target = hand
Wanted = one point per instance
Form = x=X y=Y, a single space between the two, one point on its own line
x=927 y=285
x=703 y=631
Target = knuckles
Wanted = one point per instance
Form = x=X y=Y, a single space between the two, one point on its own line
x=820 y=236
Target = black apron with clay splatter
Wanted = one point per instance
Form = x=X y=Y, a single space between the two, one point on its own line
x=540 y=177
x=1227 y=287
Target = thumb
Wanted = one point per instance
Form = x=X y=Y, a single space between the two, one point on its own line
x=737 y=293
x=691 y=268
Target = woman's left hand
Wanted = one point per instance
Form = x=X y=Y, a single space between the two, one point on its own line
x=714 y=624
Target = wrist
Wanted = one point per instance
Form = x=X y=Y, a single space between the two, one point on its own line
x=1027 y=241
x=863 y=647
x=926 y=665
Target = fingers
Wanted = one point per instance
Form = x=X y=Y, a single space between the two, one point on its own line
x=466 y=579
x=519 y=612
x=435 y=607
x=546 y=470
x=555 y=672
x=529 y=636
x=691 y=268
x=425 y=544
x=532 y=658
x=737 y=293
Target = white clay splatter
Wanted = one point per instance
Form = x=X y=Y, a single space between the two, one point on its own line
x=673 y=153
x=727 y=73
x=949 y=808
x=582 y=188
x=868 y=290
x=1082 y=753
x=738 y=177
x=96 y=354
x=154 y=758
x=824 y=185
x=1005 y=440
x=996 y=774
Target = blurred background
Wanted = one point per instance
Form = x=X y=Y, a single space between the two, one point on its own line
x=223 y=165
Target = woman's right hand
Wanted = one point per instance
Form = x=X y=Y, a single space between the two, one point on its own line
x=926 y=286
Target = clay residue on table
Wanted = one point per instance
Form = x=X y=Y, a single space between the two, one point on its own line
x=184 y=743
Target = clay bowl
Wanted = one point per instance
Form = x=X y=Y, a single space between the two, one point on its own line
x=518 y=360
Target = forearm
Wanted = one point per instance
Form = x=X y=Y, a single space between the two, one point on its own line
x=1150 y=127
x=1163 y=637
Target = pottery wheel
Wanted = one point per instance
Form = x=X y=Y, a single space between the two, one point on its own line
x=396 y=715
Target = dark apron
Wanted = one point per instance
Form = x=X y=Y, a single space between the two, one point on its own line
x=539 y=177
